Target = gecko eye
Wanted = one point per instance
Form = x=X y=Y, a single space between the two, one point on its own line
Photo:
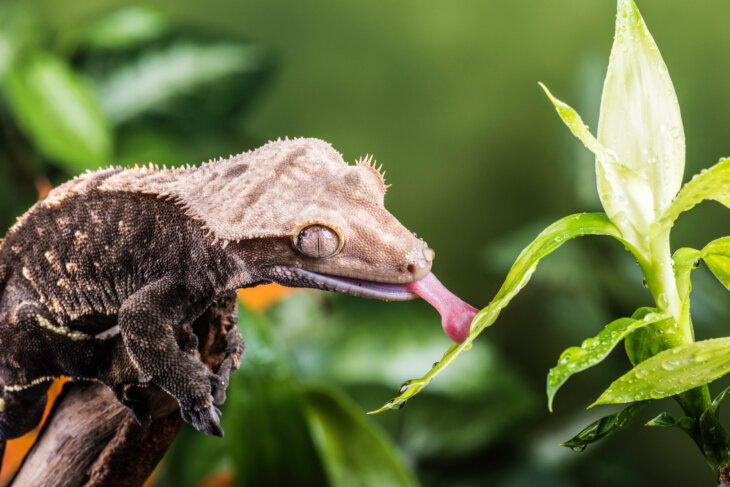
x=317 y=241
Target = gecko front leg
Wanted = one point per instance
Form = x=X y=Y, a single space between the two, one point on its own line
x=146 y=323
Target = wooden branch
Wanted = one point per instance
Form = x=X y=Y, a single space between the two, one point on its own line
x=90 y=440
x=724 y=478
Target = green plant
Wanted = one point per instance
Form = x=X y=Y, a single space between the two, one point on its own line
x=640 y=154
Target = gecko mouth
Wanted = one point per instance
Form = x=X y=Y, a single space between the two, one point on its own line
x=456 y=315
x=346 y=285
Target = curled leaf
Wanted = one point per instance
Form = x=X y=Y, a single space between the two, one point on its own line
x=594 y=350
x=717 y=256
x=666 y=420
x=719 y=399
x=603 y=427
x=712 y=184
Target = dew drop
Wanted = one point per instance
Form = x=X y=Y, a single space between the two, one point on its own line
x=670 y=364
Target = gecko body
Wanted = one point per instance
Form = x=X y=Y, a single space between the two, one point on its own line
x=101 y=279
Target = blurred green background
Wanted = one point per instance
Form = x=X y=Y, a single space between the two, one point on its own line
x=445 y=95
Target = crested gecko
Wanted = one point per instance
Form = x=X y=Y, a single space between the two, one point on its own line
x=98 y=277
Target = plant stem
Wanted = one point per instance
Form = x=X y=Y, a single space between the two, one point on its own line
x=663 y=285
x=659 y=273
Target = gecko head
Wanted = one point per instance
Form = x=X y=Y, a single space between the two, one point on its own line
x=335 y=234
x=333 y=231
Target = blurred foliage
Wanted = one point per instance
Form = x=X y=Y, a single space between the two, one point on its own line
x=445 y=95
x=300 y=429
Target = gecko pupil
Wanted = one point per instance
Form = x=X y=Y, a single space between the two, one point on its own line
x=317 y=241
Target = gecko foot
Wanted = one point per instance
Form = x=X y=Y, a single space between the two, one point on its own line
x=141 y=413
x=218 y=387
x=234 y=353
x=137 y=407
x=206 y=419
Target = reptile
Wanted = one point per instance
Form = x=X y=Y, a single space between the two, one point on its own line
x=99 y=278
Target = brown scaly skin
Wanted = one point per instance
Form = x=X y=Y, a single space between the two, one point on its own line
x=99 y=280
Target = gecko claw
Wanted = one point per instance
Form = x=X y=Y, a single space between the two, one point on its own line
x=137 y=406
x=218 y=387
x=206 y=420
x=142 y=415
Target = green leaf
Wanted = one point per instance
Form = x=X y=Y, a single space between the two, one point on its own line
x=684 y=261
x=666 y=420
x=58 y=112
x=578 y=127
x=125 y=28
x=159 y=78
x=713 y=183
x=717 y=256
x=519 y=275
x=649 y=340
x=603 y=427
x=19 y=32
x=353 y=451
x=719 y=399
x=714 y=440
x=594 y=350
x=670 y=372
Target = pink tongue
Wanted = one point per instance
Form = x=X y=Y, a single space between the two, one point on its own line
x=456 y=315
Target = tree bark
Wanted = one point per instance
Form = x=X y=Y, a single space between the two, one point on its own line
x=724 y=479
x=90 y=440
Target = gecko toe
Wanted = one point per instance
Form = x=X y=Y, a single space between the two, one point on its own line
x=206 y=420
x=218 y=387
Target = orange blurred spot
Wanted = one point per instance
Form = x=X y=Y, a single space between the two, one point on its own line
x=220 y=479
x=16 y=449
x=150 y=482
x=43 y=186
x=260 y=298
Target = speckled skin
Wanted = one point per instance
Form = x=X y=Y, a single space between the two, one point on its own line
x=99 y=280
x=70 y=283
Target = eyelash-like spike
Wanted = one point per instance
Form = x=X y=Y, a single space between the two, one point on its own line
x=369 y=162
